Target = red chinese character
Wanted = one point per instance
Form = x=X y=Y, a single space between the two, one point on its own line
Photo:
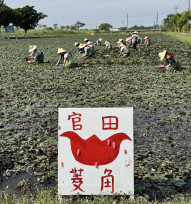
x=108 y=180
x=110 y=123
x=76 y=118
x=77 y=179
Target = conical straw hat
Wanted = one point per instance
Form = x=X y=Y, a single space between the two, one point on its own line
x=82 y=46
x=162 y=55
x=85 y=39
x=76 y=43
x=61 y=50
x=120 y=40
x=32 y=48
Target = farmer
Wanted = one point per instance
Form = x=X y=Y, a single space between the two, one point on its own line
x=77 y=46
x=91 y=46
x=108 y=45
x=173 y=63
x=35 y=55
x=128 y=39
x=85 y=40
x=121 y=41
x=140 y=40
x=98 y=42
x=134 y=39
x=65 y=59
x=124 y=50
x=87 y=51
x=147 y=41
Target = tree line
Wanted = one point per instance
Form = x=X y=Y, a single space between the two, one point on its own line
x=178 y=22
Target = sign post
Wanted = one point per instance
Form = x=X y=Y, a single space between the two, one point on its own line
x=95 y=151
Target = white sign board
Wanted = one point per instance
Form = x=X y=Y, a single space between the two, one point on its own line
x=95 y=151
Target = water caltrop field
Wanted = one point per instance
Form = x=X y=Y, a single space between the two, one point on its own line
x=32 y=93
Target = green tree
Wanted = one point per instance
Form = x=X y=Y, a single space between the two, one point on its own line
x=123 y=28
x=62 y=27
x=7 y=15
x=44 y=26
x=72 y=27
x=78 y=25
x=177 y=22
x=67 y=27
x=167 y=23
x=174 y=22
x=105 y=26
x=183 y=21
x=28 y=17
x=49 y=28
x=55 y=26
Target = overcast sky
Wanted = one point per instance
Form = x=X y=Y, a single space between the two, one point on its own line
x=95 y=12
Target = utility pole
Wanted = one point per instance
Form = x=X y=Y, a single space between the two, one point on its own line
x=157 y=21
x=188 y=15
x=127 y=21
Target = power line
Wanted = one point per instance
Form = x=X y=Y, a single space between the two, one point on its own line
x=175 y=8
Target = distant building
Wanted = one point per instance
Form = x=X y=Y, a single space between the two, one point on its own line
x=114 y=29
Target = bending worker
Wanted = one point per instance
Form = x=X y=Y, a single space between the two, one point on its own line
x=65 y=59
x=173 y=63
x=35 y=54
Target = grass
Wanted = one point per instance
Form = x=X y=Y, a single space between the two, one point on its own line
x=49 y=196
x=183 y=37
x=46 y=32
x=54 y=32
x=59 y=32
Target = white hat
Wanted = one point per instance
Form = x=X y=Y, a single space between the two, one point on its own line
x=61 y=50
x=120 y=40
x=32 y=48
x=76 y=43
x=162 y=55
x=85 y=39
x=82 y=46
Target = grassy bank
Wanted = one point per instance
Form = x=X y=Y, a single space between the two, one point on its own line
x=51 y=197
x=58 y=32
x=183 y=37
x=46 y=32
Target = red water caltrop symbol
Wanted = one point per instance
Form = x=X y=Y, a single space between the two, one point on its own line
x=76 y=118
x=109 y=123
x=93 y=149
x=108 y=180
x=77 y=179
